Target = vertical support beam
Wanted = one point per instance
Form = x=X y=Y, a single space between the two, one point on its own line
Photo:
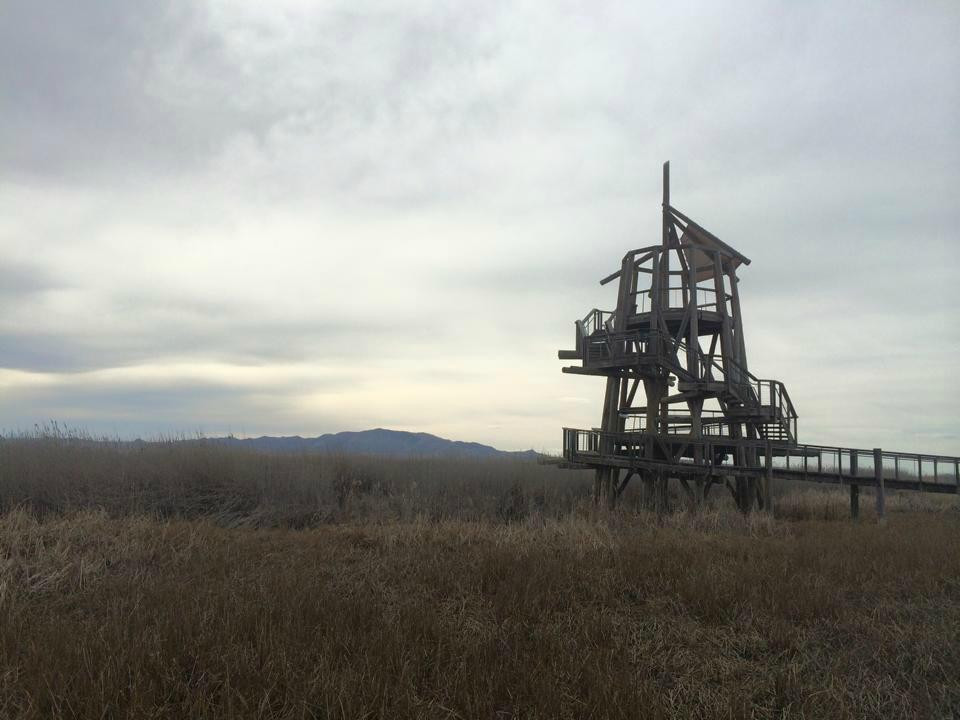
x=696 y=423
x=605 y=481
x=726 y=338
x=662 y=493
x=666 y=184
x=667 y=222
x=648 y=490
x=655 y=306
x=628 y=276
x=609 y=422
x=766 y=495
x=613 y=483
x=655 y=390
x=878 y=477
x=693 y=338
x=699 y=489
x=854 y=487
x=740 y=347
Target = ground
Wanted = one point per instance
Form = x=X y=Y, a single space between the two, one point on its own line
x=185 y=579
x=582 y=617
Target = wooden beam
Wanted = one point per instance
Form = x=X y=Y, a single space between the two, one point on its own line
x=666 y=185
x=766 y=483
x=623 y=483
x=878 y=479
x=693 y=341
x=854 y=487
x=636 y=266
x=697 y=228
x=740 y=347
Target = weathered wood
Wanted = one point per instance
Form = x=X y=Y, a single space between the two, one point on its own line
x=748 y=419
x=693 y=340
x=767 y=482
x=854 y=487
x=739 y=347
x=714 y=240
x=878 y=480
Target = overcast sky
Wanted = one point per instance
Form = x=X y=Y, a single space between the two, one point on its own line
x=303 y=217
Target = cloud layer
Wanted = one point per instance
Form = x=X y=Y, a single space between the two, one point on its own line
x=232 y=216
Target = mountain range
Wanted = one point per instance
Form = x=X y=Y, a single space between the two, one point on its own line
x=377 y=442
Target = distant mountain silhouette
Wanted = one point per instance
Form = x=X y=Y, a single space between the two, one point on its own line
x=377 y=442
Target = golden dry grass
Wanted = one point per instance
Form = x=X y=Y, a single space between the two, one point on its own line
x=718 y=616
x=187 y=579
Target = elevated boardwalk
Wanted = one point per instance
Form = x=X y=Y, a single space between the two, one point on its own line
x=634 y=451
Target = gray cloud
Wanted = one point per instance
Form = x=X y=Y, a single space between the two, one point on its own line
x=23 y=279
x=429 y=193
x=77 y=83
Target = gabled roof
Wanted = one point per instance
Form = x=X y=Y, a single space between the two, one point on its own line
x=697 y=235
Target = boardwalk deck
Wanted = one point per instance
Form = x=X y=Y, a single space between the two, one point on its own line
x=813 y=463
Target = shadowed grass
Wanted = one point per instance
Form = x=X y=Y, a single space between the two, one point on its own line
x=56 y=472
x=190 y=579
x=576 y=618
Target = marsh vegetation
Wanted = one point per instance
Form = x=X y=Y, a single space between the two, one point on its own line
x=188 y=579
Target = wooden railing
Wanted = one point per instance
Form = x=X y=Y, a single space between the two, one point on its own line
x=819 y=463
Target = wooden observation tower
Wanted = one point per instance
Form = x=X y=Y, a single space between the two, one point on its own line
x=680 y=401
x=679 y=395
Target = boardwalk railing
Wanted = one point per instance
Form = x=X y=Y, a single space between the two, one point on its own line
x=816 y=463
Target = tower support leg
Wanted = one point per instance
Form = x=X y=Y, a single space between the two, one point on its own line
x=613 y=479
x=766 y=495
x=878 y=477
x=605 y=487
x=699 y=493
x=662 y=501
x=649 y=502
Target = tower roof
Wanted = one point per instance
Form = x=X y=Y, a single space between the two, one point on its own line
x=696 y=235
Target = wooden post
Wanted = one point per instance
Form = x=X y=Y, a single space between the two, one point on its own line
x=854 y=487
x=667 y=224
x=648 y=490
x=661 y=493
x=726 y=337
x=693 y=336
x=768 y=481
x=878 y=476
x=739 y=349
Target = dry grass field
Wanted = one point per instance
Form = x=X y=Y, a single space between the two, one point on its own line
x=190 y=580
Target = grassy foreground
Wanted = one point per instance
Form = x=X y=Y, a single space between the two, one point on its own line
x=707 y=616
